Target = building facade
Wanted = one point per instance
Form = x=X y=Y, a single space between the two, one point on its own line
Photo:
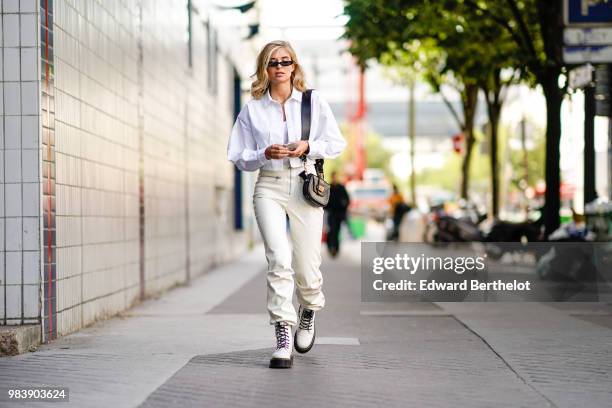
x=114 y=182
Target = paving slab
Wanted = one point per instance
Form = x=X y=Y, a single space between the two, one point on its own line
x=209 y=343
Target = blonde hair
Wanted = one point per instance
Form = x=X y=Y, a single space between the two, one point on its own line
x=261 y=84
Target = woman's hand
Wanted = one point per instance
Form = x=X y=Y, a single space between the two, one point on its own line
x=302 y=146
x=276 y=151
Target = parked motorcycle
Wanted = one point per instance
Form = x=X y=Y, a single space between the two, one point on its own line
x=443 y=227
x=468 y=227
x=514 y=235
x=567 y=262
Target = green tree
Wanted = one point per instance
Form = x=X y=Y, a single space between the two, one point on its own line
x=536 y=28
x=399 y=33
x=430 y=39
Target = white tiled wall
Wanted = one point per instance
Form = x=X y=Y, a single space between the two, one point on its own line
x=112 y=112
x=19 y=168
x=210 y=177
x=164 y=108
x=98 y=154
x=96 y=160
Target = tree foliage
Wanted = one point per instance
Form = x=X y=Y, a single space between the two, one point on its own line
x=430 y=40
x=476 y=42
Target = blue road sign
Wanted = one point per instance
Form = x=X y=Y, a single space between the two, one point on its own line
x=581 y=55
x=588 y=12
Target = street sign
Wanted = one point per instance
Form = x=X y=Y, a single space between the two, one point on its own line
x=581 y=76
x=588 y=36
x=587 y=13
x=582 y=55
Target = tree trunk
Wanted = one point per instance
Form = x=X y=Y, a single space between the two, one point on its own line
x=550 y=17
x=494 y=104
x=554 y=98
x=412 y=136
x=469 y=98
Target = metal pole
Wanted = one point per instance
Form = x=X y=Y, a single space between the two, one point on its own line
x=590 y=193
x=525 y=164
x=360 y=116
x=412 y=136
x=609 y=158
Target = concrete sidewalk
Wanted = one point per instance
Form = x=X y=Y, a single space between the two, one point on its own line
x=120 y=361
x=209 y=345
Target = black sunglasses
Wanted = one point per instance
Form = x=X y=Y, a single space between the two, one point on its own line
x=273 y=64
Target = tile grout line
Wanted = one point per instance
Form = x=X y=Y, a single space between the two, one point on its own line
x=80 y=303
x=527 y=383
x=21 y=158
x=5 y=321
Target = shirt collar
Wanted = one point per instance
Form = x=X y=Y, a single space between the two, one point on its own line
x=295 y=94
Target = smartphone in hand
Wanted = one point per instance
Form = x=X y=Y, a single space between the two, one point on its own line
x=291 y=146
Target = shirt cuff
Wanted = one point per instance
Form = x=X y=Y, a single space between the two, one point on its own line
x=261 y=155
x=316 y=149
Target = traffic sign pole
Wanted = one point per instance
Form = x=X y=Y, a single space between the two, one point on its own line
x=587 y=38
x=589 y=144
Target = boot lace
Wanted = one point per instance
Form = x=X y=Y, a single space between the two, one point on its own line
x=306 y=319
x=282 y=336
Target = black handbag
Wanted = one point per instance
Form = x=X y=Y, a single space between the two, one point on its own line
x=315 y=188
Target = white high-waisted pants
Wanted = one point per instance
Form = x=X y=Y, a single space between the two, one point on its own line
x=277 y=194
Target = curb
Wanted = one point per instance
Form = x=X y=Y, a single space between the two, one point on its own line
x=19 y=339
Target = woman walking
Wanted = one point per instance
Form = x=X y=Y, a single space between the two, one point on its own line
x=267 y=137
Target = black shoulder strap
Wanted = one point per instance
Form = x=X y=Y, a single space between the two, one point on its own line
x=306 y=116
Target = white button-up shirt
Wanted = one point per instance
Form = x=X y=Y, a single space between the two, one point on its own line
x=260 y=124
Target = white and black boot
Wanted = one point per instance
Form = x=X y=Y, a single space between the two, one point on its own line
x=283 y=355
x=305 y=334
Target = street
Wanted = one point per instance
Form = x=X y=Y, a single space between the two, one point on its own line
x=209 y=344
